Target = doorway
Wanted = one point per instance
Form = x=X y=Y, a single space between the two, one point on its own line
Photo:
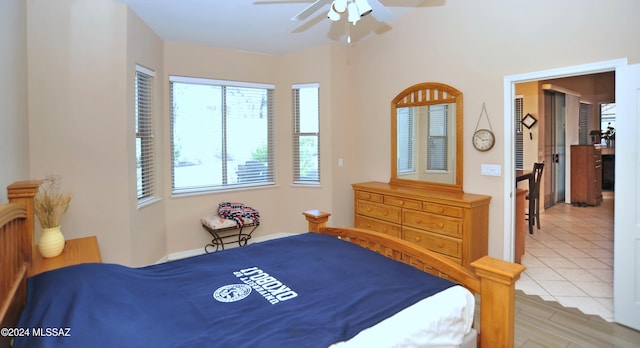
x=509 y=90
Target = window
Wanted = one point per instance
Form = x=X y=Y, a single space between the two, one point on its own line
x=221 y=134
x=306 y=134
x=584 y=119
x=608 y=123
x=406 y=123
x=144 y=134
x=519 y=138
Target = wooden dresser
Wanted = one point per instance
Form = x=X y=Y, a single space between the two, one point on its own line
x=453 y=224
x=586 y=174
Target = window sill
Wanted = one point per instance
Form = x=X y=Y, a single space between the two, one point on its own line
x=186 y=194
x=147 y=202
x=305 y=185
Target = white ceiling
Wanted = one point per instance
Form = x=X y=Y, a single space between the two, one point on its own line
x=263 y=26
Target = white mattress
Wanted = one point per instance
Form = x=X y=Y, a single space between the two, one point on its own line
x=441 y=320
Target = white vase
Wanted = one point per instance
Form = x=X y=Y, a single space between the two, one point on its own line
x=51 y=242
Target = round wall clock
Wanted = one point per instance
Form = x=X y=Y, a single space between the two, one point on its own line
x=483 y=140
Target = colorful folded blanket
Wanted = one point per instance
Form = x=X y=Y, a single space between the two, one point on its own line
x=236 y=211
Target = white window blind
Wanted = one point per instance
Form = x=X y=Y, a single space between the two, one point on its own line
x=584 y=119
x=519 y=138
x=406 y=129
x=306 y=133
x=221 y=134
x=145 y=163
x=438 y=130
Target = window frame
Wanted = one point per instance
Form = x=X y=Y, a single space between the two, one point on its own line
x=298 y=134
x=267 y=179
x=144 y=135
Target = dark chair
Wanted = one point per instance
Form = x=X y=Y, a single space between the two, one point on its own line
x=533 y=216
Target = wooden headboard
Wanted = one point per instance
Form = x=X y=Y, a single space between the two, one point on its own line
x=16 y=248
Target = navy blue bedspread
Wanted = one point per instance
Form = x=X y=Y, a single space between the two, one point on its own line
x=307 y=290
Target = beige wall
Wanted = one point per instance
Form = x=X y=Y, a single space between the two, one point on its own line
x=78 y=114
x=148 y=230
x=80 y=57
x=14 y=147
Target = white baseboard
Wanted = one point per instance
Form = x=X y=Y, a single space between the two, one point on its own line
x=195 y=252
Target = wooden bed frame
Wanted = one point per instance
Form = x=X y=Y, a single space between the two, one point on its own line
x=493 y=279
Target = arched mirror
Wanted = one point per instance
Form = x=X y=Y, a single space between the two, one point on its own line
x=426 y=137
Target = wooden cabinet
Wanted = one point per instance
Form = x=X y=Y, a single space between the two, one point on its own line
x=586 y=174
x=76 y=251
x=453 y=224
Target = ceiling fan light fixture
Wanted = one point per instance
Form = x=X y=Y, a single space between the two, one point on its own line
x=354 y=14
x=339 y=6
x=363 y=7
x=333 y=15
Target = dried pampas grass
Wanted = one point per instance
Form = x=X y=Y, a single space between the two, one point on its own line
x=50 y=204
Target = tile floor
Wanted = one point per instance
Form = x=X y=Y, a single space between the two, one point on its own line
x=570 y=259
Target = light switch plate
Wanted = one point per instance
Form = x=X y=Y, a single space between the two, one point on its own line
x=491 y=169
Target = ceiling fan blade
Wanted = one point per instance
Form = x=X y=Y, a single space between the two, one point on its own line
x=311 y=9
x=379 y=11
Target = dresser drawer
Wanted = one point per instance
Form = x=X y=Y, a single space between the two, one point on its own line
x=442 y=209
x=441 y=244
x=378 y=226
x=403 y=202
x=379 y=211
x=368 y=196
x=432 y=222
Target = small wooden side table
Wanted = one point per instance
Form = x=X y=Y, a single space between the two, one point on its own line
x=76 y=251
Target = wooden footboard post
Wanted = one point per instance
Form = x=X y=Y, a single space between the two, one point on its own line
x=317 y=219
x=497 y=303
x=23 y=192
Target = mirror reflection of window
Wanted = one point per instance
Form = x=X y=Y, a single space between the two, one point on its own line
x=406 y=140
x=437 y=138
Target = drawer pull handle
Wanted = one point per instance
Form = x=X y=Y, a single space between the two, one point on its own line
x=418 y=221
x=386 y=212
x=368 y=209
x=440 y=244
x=441 y=210
x=441 y=225
x=418 y=238
x=368 y=225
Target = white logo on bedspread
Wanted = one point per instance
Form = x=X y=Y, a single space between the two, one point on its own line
x=232 y=292
x=264 y=284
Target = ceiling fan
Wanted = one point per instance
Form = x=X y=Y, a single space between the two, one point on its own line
x=354 y=9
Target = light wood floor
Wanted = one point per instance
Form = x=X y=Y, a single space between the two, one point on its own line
x=570 y=262
x=541 y=323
